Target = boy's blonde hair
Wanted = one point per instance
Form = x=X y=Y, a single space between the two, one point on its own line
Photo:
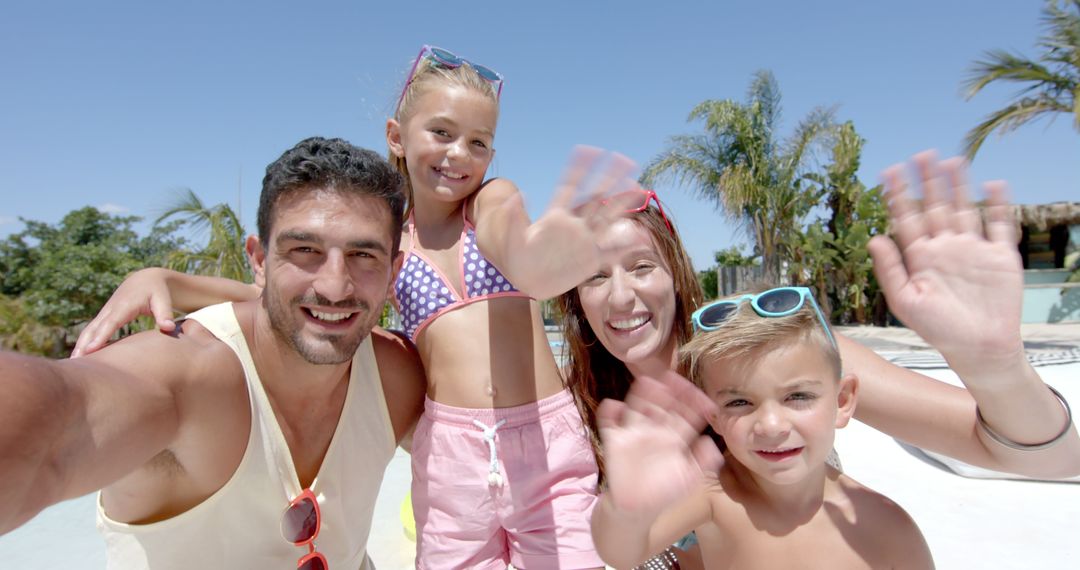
x=428 y=75
x=746 y=334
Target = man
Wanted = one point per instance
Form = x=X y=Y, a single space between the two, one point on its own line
x=206 y=442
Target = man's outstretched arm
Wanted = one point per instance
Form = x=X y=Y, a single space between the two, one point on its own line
x=69 y=427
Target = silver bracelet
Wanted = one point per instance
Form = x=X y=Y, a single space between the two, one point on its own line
x=666 y=560
x=1029 y=446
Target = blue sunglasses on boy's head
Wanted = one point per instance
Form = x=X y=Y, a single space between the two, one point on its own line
x=778 y=302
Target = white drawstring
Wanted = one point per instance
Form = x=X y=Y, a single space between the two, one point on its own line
x=495 y=479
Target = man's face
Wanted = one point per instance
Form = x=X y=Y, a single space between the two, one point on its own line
x=326 y=271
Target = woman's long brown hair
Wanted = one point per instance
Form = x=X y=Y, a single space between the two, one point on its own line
x=593 y=373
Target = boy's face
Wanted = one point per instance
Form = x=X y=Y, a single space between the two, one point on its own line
x=779 y=409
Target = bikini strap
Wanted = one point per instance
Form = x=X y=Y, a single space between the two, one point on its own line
x=465 y=224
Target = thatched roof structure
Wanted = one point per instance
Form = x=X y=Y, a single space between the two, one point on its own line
x=1041 y=217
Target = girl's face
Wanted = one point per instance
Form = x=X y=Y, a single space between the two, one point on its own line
x=630 y=302
x=446 y=142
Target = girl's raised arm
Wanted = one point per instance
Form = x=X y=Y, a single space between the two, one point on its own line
x=157 y=292
x=558 y=251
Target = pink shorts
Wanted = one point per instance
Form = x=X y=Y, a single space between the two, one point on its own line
x=526 y=499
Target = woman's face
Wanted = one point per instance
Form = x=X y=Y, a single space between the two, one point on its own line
x=630 y=302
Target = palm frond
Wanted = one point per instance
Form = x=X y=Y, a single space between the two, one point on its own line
x=1008 y=119
x=1062 y=26
x=765 y=92
x=689 y=161
x=999 y=65
x=223 y=255
x=815 y=130
x=1049 y=83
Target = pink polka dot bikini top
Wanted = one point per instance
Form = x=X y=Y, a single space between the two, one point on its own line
x=423 y=292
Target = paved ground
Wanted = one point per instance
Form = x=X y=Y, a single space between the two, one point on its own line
x=1038 y=338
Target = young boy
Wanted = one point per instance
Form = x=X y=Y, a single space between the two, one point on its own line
x=774 y=391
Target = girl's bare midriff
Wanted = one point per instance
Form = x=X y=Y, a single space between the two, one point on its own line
x=489 y=354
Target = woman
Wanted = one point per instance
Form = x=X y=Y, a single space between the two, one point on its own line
x=956 y=285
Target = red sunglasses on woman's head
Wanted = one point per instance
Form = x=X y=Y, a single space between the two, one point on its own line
x=650 y=195
x=300 y=524
x=631 y=197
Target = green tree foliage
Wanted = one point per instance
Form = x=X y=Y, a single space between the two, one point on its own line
x=1049 y=84
x=733 y=257
x=20 y=332
x=223 y=255
x=740 y=164
x=710 y=283
x=709 y=279
x=832 y=254
x=58 y=277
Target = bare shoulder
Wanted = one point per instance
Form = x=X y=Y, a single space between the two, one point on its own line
x=394 y=350
x=403 y=380
x=493 y=194
x=497 y=187
x=201 y=372
x=868 y=502
x=183 y=356
x=876 y=515
x=729 y=500
x=728 y=527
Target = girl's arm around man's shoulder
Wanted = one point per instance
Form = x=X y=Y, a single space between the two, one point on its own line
x=403 y=380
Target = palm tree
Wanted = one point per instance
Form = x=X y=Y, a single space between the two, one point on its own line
x=739 y=163
x=223 y=255
x=1049 y=85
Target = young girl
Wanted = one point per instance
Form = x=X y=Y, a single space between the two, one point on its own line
x=502 y=466
x=503 y=471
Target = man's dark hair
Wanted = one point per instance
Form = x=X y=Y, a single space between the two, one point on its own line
x=335 y=164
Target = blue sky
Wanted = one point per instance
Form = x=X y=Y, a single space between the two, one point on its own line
x=118 y=104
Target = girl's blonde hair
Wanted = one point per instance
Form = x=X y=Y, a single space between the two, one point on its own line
x=428 y=75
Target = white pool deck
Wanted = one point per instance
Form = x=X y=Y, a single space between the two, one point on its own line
x=969 y=523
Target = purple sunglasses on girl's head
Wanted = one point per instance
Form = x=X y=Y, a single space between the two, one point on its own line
x=449 y=60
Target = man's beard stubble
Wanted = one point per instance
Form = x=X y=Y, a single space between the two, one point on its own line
x=341 y=347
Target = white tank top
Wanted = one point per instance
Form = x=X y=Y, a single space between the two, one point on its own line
x=239 y=525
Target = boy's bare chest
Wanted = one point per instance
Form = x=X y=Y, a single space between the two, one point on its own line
x=822 y=542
